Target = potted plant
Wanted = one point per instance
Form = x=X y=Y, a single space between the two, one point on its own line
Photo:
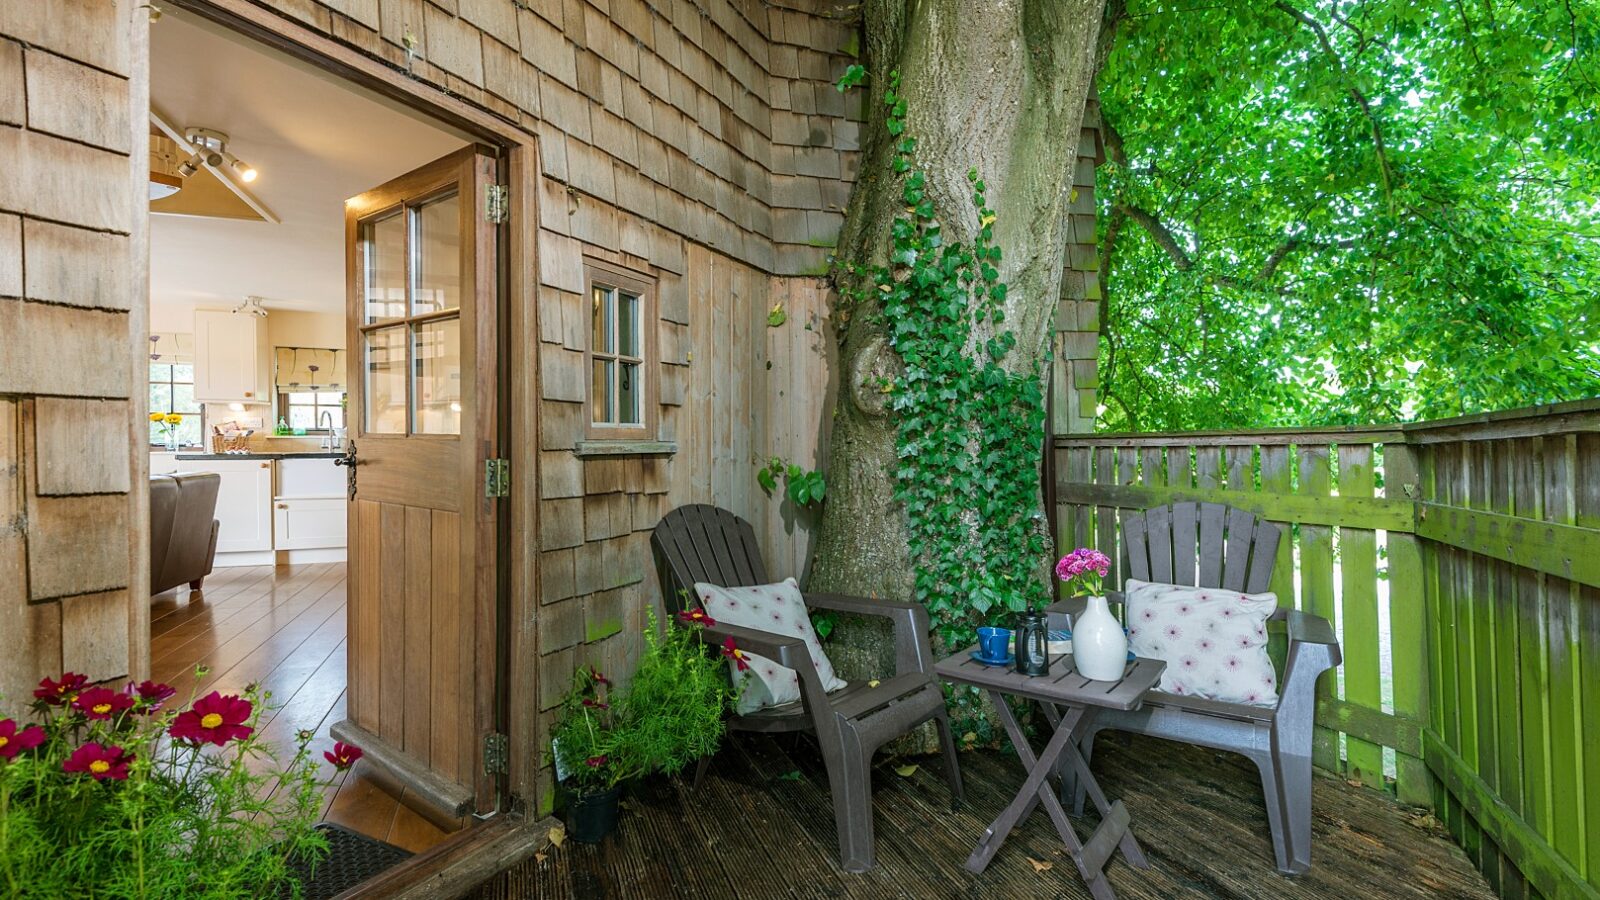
x=591 y=756
x=120 y=792
x=669 y=715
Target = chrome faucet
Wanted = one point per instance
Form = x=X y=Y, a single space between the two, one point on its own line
x=327 y=436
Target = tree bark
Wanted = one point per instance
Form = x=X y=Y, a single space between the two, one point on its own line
x=996 y=85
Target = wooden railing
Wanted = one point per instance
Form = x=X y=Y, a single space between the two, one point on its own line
x=1460 y=563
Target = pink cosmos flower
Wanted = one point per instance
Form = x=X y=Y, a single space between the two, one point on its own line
x=13 y=741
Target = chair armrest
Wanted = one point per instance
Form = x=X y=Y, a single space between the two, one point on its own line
x=1313 y=650
x=912 y=652
x=783 y=649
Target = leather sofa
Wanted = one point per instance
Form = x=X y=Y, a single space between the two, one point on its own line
x=183 y=529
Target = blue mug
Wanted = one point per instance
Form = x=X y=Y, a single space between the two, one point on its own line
x=994 y=643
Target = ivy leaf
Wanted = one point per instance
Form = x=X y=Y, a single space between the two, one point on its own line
x=776 y=316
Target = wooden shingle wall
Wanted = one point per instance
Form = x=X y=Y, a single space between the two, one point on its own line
x=1077 y=340
x=72 y=266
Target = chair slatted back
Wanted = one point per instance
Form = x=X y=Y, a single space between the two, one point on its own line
x=1203 y=545
x=700 y=542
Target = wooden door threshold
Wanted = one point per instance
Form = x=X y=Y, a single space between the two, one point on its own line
x=459 y=863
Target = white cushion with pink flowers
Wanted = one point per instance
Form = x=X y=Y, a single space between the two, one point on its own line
x=780 y=609
x=1214 y=640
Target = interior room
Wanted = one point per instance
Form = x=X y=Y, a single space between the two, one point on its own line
x=253 y=156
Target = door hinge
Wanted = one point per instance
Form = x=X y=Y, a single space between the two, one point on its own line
x=497 y=478
x=496 y=204
x=496 y=756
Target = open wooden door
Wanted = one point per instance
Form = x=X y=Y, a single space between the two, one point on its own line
x=422 y=321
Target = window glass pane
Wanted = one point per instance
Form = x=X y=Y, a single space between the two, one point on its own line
x=183 y=373
x=299 y=397
x=160 y=372
x=437 y=264
x=160 y=398
x=603 y=310
x=335 y=414
x=330 y=398
x=384 y=366
x=628 y=394
x=600 y=391
x=438 y=377
x=183 y=399
x=628 y=325
x=383 y=260
x=302 y=417
x=189 y=433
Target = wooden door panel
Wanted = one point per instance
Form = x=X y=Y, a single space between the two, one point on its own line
x=422 y=535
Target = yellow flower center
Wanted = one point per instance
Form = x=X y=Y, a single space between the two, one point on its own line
x=3 y=742
x=210 y=720
x=101 y=709
x=99 y=767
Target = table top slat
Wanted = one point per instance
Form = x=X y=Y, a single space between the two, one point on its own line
x=1064 y=684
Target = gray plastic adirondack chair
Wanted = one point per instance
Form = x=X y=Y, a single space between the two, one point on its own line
x=701 y=543
x=1211 y=545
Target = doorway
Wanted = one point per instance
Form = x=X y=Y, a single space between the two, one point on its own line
x=359 y=565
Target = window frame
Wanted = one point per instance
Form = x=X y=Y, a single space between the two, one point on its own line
x=316 y=407
x=601 y=274
x=170 y=383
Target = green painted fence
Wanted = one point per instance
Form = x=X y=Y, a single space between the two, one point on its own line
x=1460 y=563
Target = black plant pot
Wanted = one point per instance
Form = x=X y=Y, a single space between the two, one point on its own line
x=590 y=817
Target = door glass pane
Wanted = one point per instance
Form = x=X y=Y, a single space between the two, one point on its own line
x=438 y=377
x=383 y=262
x=628 y=325
x=437 y=265
x=600 y=319
x=384 y=368
x=600 y=390
x=628 y=394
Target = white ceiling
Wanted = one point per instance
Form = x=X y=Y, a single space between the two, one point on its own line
x=314 y=139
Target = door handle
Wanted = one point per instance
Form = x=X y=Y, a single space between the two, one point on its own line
x=349 y=461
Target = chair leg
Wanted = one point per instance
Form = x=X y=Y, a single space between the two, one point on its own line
x=1274 y=798
x=850 y=782
x=952 y=769
x=195 y=584
x=1294 y=791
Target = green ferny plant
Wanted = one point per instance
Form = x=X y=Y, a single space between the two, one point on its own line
x=969 y=432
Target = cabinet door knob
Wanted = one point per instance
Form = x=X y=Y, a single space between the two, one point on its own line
x=283 y=506
x=266 y=465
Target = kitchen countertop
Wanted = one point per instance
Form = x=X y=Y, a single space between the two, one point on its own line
x=287 y=454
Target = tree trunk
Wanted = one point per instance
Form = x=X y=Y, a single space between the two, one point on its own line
x=996 y=85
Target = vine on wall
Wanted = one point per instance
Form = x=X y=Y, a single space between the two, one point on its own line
x=969 y=432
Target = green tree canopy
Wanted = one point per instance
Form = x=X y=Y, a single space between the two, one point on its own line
x=1345 y=211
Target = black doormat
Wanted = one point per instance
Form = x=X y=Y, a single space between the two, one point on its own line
x=352 y=858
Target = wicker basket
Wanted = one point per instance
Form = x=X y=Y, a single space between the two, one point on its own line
x=220 y=443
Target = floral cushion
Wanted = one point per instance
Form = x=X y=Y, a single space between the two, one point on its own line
x=1214 y=641
x=777 y=608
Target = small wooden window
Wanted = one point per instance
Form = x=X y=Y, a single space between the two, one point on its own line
x=621 y=353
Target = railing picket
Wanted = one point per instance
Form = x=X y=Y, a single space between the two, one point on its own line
x=1407 y=618
x=1533 y=651
x=1105 y=517
x=1586 y=496
x=1502 y=608
x=1358 y=598
x=1316 y=584
x=1275 y=479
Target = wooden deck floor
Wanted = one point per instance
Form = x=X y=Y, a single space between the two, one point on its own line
x=753 y=833
x=284 y=628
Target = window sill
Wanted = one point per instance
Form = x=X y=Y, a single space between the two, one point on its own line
x=625 y=448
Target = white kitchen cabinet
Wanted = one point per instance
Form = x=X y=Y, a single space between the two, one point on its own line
x=230 y=357
x=308 y=523
x=244 y=502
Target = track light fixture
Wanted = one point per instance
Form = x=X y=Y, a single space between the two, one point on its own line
x=211 y=149
x=252 y=306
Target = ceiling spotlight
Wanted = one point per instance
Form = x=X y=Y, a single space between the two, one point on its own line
x=252 y=306
x=211 y=148
x=245 y=171
x=191 y=165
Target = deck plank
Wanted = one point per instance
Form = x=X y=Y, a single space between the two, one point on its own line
x=1198 y=813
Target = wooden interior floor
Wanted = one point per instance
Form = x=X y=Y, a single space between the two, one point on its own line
x=761 y=827
x=283 y=627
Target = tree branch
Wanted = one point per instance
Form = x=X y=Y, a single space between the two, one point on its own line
x=1169 y=243
x=1355 y=94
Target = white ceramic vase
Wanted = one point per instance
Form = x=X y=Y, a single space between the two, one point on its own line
x=1099 y=645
